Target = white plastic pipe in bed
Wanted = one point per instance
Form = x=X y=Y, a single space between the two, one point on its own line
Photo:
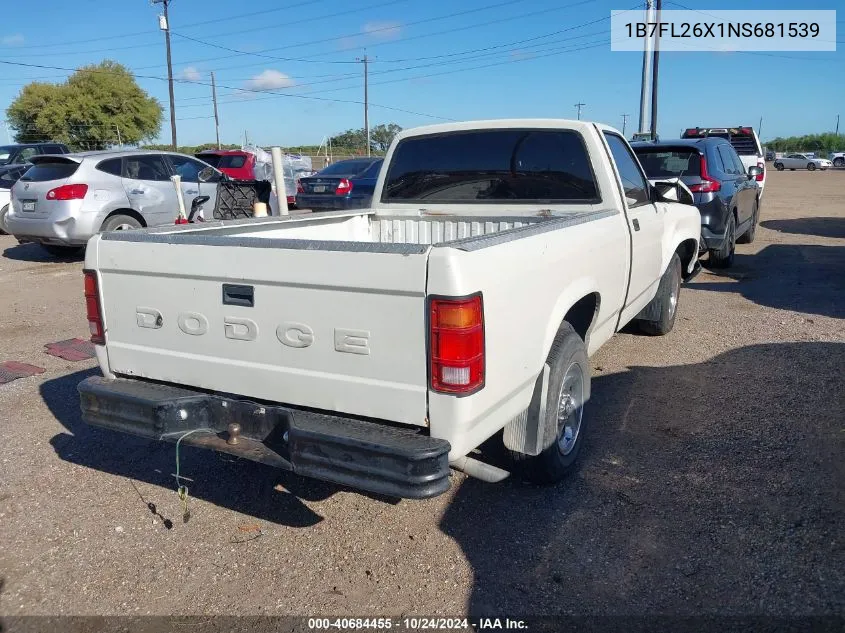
x=279 y=177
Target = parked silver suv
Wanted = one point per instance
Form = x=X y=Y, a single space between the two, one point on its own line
x=63 y=200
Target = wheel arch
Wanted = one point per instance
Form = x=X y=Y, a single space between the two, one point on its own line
x=128 y=212
x=581 y=303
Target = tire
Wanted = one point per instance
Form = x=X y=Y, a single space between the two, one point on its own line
x=57 y=250
x=120 y=222
x=724 y=257
x=664 y=307
x=839 y=162
x=811 y=166
x=748 y=236
x=779 y=166
x=569 y=389
x=3 y=212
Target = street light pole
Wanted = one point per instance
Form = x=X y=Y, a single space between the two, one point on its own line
x=624 y=123
x=164 y=25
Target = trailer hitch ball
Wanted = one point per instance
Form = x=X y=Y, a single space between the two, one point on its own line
x=234 y=433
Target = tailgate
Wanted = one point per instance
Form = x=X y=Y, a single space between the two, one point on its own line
x=337 y=330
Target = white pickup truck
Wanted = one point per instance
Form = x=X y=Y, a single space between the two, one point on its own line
x=377 y=347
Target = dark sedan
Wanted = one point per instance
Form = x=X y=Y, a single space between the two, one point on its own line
x=346 y=184
x=724 y=192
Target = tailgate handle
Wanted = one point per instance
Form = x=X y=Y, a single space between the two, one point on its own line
x=235 y=295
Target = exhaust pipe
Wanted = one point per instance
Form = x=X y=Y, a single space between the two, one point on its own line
x=480 y=470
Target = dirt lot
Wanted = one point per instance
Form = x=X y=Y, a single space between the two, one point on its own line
x=711 y=480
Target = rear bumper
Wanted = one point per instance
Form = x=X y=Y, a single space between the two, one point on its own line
x=331 y=203
x=372 y=456
x=64 y=225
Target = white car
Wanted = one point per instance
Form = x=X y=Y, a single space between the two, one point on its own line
x=9 y=175
x=802 y=161
x=378 y=347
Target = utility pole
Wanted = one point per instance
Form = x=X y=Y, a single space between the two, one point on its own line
x=649 y=17
x=366 y=61
x=837 y=127
x=760 y=127
x=579 y=106
x=119 y=143
x=654 y=70
x=624 y=123
x=164 y=25
x=216 y=120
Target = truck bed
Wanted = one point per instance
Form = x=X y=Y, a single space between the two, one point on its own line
x=362 y=230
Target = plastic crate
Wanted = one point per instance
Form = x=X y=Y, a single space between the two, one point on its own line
x=235 y=198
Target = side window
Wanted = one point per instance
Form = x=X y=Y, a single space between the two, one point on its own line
x=146 y=167
x=186 y=167
x=52 y=149
x=110 y=166
x=633 y=181
x=25 y=154
x=716 y=157
x=727 y=160
x=740 y=168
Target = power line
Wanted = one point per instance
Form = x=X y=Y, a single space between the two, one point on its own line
x=281 y=94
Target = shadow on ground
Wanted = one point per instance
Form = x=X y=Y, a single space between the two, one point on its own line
x=244 y=486
x=706 y=488
x=820 y=227
x=803 y=278
x=31 y=252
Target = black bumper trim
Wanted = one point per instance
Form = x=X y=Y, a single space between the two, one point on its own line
x=389 y=460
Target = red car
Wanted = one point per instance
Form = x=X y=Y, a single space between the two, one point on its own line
x=235 y=163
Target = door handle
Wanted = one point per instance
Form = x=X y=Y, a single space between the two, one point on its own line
x=192 y=192
x=636 y=224
x=137 y=191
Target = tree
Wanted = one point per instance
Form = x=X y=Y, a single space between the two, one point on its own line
x=380 y=138
x=820 y=143
x=97 y=107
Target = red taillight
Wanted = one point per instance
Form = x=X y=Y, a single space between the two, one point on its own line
x=343 y=187
x=299 y=188
x=92 y=307
x=691 y=132
x=760 y=176
x=709 y=185
x=68 y=192
x=456 y=340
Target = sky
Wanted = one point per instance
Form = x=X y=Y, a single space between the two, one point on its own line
x=295 y=64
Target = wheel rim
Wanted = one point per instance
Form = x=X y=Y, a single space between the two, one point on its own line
x=673 y=295
x=123 y=227
x=811 y=167
x=570 y=408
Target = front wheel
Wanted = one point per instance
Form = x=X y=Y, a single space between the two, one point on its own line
x=724 y=257
x=3 y=213
x=779 y=166
x=563 y=419
x=660 y=312
x=839 y=162
x=748 y=236
x=811 y=166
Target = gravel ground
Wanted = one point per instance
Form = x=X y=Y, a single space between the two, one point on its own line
x=711 y=479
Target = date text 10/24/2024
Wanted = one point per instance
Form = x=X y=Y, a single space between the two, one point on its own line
x=417 y=624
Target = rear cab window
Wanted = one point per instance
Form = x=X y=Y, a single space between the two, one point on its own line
x=742 y=139
x=498 y=165
x=231 y=161
x=664 y=162
x=46 y=170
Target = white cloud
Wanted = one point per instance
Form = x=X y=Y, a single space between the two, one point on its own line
x=12 y=40
x=191 y=74
x=269 y=80
x=382 y=30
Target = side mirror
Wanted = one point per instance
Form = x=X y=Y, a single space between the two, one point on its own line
x=206 y=174
x=754 y=171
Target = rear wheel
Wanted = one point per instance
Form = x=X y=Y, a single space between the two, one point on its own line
x=120 y=222
x=724 y=257
x=811 y=166
x=58 y=250
x=839 y=162
x=569 y=388
x=748 y=236
x=663 y=308
x=779 y=166
x=3 y=212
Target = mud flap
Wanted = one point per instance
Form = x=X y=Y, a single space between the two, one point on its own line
x=525 y=433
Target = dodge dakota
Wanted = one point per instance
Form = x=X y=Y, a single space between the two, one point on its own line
x=378 y=347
